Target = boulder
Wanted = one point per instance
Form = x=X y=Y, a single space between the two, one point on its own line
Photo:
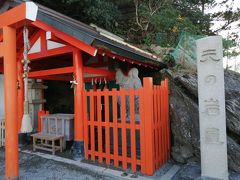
x=185 y=118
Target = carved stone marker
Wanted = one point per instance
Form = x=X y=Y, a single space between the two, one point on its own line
x=212 y=115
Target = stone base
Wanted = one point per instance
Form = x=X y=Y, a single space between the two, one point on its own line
x=78 y=150
x=22 y=139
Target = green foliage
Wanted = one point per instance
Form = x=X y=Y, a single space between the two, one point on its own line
x=102 y=12
x=169 y=23
x=193 y=11
x=169 y=59
x=228 y=45
x=150 y=21
x=147 y=39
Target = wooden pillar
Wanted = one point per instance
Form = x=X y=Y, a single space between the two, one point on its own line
x=78 y=110
x=148 y=124
x=10 y=95
x=78 y=106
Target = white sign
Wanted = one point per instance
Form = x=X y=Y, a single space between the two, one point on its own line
x=212 y=115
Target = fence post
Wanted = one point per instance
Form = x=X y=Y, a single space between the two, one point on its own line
x=148 y=124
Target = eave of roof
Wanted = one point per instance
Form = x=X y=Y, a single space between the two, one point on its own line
x=91 y=36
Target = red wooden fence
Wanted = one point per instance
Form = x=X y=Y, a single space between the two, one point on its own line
x=128 y=128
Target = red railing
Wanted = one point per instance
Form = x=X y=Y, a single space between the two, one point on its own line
x=128 y=128
x=161 y=124
x=40 y=114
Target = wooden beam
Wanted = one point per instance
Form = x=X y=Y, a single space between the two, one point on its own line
x=19 y=15
x=124 y=59
x=51 y=37
x=43 y=41
x=107 y=78
x=51 y=52
x=54 y=78
x=68 y=78
x=104 y=72
x=49 y=72
x=32 y=40
x=67 y=38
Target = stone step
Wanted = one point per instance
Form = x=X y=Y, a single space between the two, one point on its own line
x=170 y=173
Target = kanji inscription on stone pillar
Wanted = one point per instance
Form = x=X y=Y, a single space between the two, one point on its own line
x=212 y=115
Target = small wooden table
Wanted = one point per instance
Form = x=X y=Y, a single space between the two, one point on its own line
x=47 y=142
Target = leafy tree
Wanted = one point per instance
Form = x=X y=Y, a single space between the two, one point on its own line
x=170 y=27
x=146 y=9
x=193 y=10
x=100 y=12
x=168 y=18
x=229 y=16
x=148 y=17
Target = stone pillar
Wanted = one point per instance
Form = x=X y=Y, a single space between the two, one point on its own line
x=212 y=115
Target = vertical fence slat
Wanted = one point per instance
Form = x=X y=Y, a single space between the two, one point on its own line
x=157 y=140
x=115 y=129
x=85 y=124
x=92 y=117
x=107 y=133
x=142 y=131
x=160 y=124
x=40 y=113
x=166 y=131
x=99 y=120
x=166 y=119
x=123 y=121
x=163 y=121
x=133 y=131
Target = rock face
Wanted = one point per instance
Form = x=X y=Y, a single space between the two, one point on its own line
x=185 y=118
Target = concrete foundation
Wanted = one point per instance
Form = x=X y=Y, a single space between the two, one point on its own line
x=78 y=150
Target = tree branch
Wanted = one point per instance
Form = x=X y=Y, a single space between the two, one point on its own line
x=136 y=12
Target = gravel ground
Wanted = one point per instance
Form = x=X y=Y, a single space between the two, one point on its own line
x=37 y=168
x=192 y=171
x=33 y=167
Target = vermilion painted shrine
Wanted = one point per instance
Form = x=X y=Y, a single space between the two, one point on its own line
x=63 y=49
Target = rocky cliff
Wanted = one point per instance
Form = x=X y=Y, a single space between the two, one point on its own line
x=185 y=118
